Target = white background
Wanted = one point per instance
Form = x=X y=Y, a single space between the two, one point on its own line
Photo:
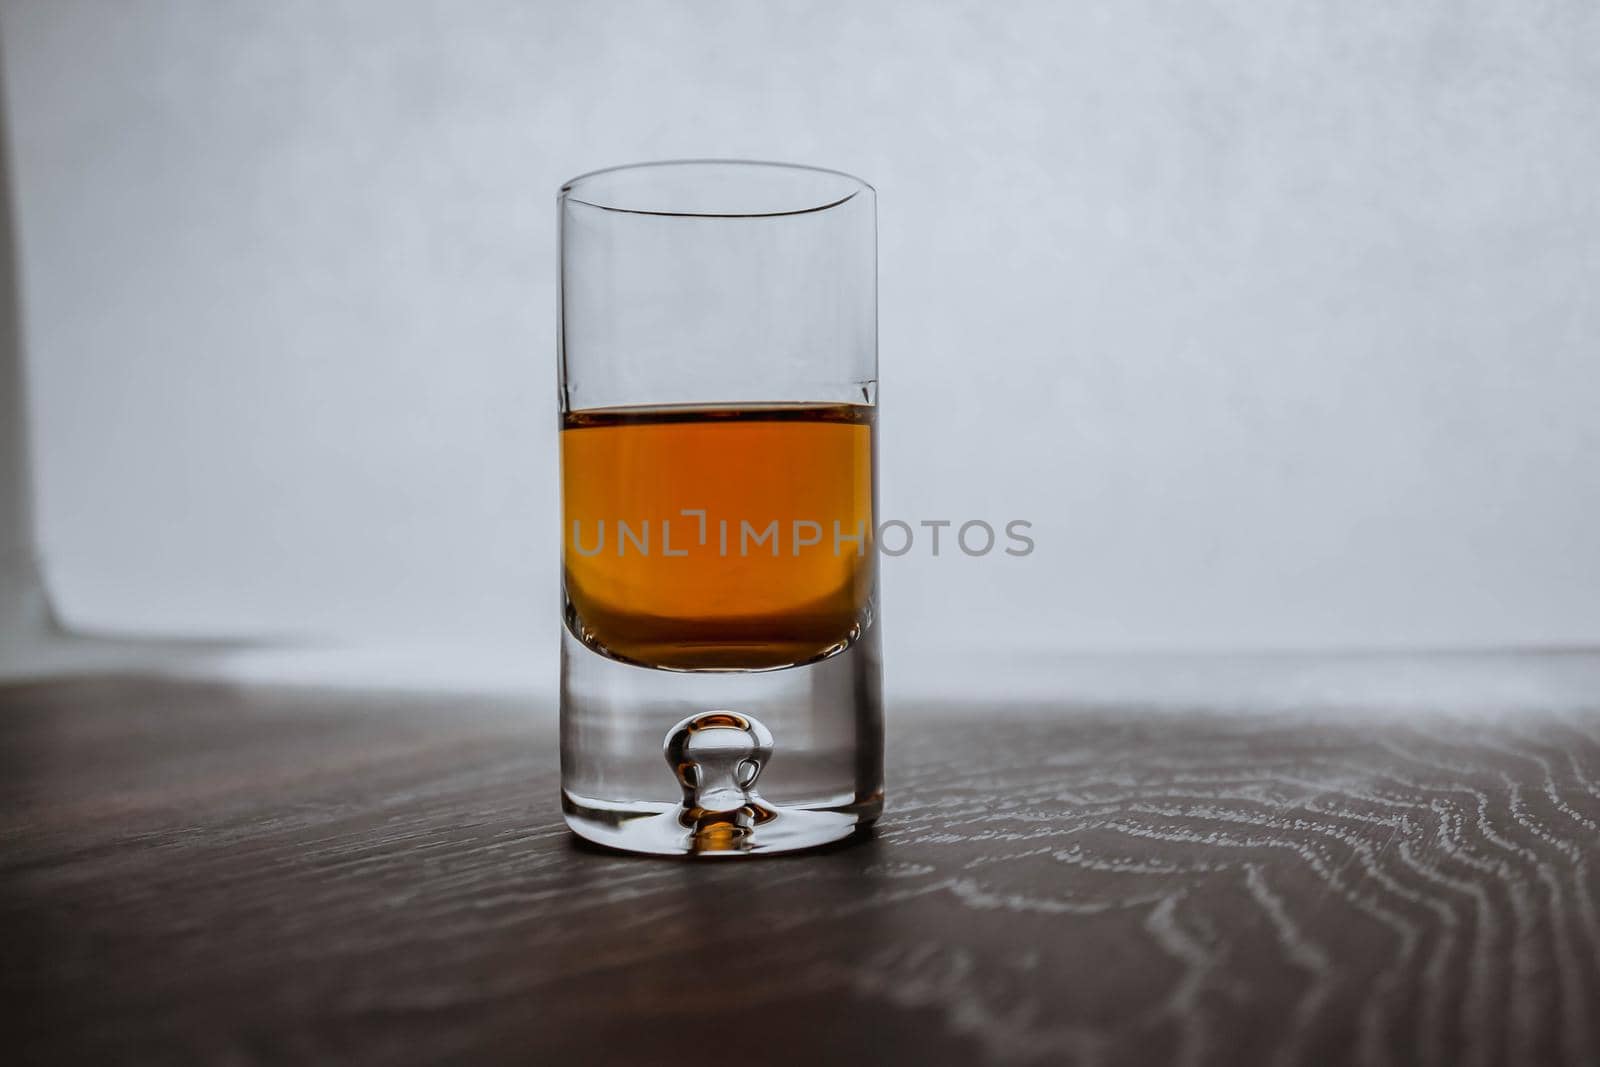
x=1280 y=322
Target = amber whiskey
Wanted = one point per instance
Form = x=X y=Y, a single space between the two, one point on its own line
x=718 y=538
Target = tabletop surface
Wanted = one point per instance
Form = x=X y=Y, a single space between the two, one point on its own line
x=203 y=872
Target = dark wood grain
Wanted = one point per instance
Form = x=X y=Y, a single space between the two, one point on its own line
x=201 y=873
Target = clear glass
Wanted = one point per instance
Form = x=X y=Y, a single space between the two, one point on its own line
x=720 y=669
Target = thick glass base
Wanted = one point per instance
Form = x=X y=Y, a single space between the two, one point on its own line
x=660 y=830
x=718 y=763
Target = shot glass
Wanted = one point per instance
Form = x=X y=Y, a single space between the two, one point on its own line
x=721 y=685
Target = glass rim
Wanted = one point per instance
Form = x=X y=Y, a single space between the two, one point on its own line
x=572 y=189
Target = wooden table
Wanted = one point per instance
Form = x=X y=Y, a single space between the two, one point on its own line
x=202 y=873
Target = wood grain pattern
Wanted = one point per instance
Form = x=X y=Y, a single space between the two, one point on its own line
x=200 y=873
